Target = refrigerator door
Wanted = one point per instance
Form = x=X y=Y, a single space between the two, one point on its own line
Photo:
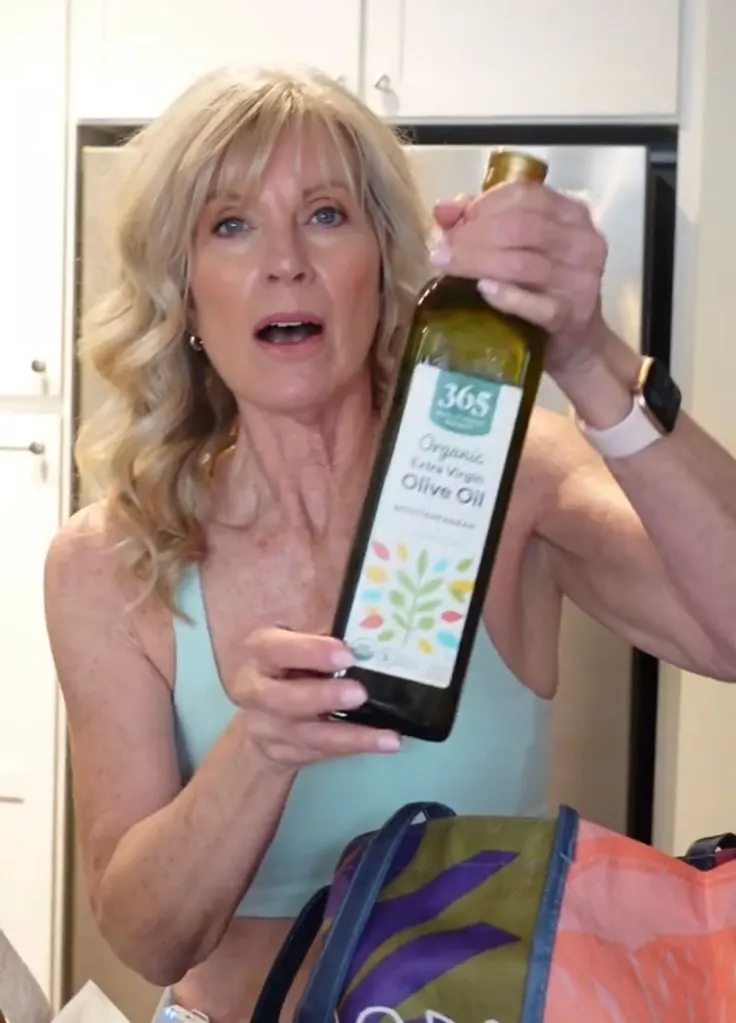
x=589 y=743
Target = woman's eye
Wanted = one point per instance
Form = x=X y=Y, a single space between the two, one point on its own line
x=328 y=216
x=229 y=226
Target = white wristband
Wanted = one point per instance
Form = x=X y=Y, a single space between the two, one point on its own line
x=632 y=435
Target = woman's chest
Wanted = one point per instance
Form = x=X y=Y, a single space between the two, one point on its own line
x=256 y=579
x=257 y=582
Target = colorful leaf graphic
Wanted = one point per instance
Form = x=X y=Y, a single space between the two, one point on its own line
x=441 y=565
x=447 y=639
x=385 y=635
x=464 y=565
x=381 y=550
x=426 y=623
x=430 y=587
x=425 y=646
x=428 y=605
x=460 y=589
x=371 y=622
x=369 y=610
x=370 y=596
x=376 y=574
x=406 y=582
x=397 y=598
x=401 y=621
x=451 y=616
x=422 y=564
x=402 y=551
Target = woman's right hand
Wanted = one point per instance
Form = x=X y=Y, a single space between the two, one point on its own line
x=286 y=705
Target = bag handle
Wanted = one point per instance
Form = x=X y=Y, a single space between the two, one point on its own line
x=323 y=990
x=707 y=853
x=289 y=960
x=305 y=928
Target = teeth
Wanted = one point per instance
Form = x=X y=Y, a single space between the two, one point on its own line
x=288 y=331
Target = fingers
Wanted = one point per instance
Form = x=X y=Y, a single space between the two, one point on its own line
x=546 y=311
x=517 y=266
x=533 y=198
x=277 y=651
x=306 y=742
x=302 y=697
x=287 y=719
x=517 y=233
x=286 y=690
x=449 y=212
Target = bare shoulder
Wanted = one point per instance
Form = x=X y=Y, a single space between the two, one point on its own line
x=86 y=543
x=89 y=598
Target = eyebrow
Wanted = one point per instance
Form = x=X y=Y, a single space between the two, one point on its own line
x=322 y=186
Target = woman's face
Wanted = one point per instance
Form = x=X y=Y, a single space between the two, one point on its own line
x=285 y=283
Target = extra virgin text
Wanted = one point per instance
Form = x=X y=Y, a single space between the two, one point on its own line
x=446 y=472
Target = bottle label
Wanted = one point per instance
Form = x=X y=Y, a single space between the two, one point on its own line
x=431 y=524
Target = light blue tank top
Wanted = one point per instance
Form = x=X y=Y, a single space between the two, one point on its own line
x=494 y=762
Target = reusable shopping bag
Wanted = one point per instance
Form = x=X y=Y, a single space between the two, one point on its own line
x=456 y=919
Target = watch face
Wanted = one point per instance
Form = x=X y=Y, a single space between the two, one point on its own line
x=662 y=396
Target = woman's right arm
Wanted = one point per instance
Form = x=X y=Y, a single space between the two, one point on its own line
x=166 y=866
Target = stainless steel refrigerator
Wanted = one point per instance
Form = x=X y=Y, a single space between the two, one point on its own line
x=601 y=731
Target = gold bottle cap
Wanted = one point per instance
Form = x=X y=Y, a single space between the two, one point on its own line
x=510 y=165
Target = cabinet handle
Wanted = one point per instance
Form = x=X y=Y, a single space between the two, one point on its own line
x=34 y=448
x=382 y=83
x=38 y=366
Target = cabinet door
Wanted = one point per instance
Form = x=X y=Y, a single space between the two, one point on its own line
x=29 y=517
x=132 y=57
x=496 y=59
x=32 y=186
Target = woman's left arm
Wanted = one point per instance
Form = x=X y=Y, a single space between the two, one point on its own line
x=647 y=543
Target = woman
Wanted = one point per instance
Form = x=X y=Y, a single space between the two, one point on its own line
x=271 y=243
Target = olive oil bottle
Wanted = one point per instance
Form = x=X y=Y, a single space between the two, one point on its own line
x=425 y=545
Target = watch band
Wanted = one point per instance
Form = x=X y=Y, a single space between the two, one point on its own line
x=632 y=435
x=641 y=427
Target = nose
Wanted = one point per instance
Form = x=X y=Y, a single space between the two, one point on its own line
x=285 y=260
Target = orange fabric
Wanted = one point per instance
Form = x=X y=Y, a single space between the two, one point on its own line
x=642 y=938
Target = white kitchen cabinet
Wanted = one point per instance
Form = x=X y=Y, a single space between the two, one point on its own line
x=514 y=59
x=29 y=516
x=32 y=186
x=132 y=57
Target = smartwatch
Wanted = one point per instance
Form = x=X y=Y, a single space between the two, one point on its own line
x=655 y=406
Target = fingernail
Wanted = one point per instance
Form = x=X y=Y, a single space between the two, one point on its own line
x=342 y=659
x=388 y=742
x=489 y=288
x=441 y=254
x=353 y=696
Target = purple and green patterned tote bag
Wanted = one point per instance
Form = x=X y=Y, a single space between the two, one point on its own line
x=514 y=920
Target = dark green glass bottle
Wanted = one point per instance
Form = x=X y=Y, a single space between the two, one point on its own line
x=425 y=545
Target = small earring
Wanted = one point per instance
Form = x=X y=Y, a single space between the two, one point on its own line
x=195 y=343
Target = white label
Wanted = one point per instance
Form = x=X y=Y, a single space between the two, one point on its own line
x=431 y=525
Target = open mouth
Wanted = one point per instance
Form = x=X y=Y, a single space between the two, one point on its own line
x=289 y=332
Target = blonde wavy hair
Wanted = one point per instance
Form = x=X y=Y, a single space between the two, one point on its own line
x=150 y=447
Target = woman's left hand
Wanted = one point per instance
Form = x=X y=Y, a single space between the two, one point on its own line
x=536 y=253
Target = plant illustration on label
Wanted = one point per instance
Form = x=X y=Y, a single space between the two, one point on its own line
x=410 y=600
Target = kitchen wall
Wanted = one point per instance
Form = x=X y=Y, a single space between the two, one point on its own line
x=583 y=58
x=696 y=749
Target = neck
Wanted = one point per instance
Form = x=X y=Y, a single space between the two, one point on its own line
x=298 y=473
